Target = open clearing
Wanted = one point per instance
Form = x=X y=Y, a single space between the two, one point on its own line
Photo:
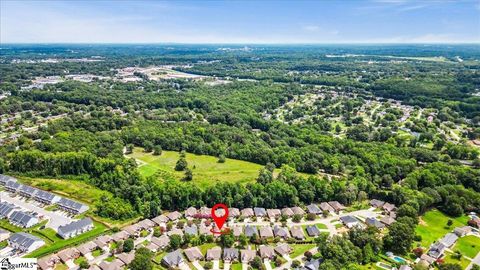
x=434 y=226
x=469 y=246
x=206 y=169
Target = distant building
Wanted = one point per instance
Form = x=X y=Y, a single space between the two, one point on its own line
x=326 y=207
x=283 y=249
x=349 y=221
x=233 y=212
x=259 y=211
x=274 y=213
x=376 y=203
x=12 y=186
x=281 y=232
x=75 y=228
x=337 y=206
x=370 y=221
x=45 y=197
x=266 y=232
x=24 y=242
x=191 y=230
x=5 y=178
x=173 y=259
x=72 y=206
x=27 y=191
x=313 y=209
x=6 y=209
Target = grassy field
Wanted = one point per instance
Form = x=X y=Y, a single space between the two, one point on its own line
x=299 y=249
x=469 y=246
x=450 y=259
x=433 y=226
x=206 y=169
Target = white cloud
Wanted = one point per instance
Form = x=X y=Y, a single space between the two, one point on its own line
x=311 y=28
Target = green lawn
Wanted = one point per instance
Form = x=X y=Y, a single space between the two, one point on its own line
x=3 y=244
x=203 y=248
x=449 y=259
x=80 y=259
x=299 y=249
x=433 y=226
x=206 y=170
x=469 y=246
x=236 y=266
x=59 y=243
x=96 y=252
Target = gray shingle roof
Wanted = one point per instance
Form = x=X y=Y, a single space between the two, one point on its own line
x=312 y=230
x=5 y=178
x=192 y=229
x=348 y=219
x=6 y=209
x=45 y=196
x=449 y=239
x=74 y=226
x=230 y=254
x=73 y=205
x=313 y=209
x=259 y=211
x=12 y=186
x=22 y=218
x=250 y=230
x=27 y=190
x=374 y=222
x=173 y=258
x=25 y=240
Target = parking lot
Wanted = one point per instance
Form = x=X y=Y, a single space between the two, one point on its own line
x=56 y=218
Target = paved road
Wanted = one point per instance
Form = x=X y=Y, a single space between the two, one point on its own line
x=55 y=219
x=197 y=265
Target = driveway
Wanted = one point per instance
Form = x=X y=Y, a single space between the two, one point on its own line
x=70 y=264
x=184 y=266
x=89 y=256
x=475 y=260
x=197 y=265
x=244 y=266
x=216 y=264
x=55 y=219
x=226 y=265
x=267 y=264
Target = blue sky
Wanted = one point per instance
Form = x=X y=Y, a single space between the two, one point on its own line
x=260 y=21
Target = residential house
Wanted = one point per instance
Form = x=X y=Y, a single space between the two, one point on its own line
x=259 y=211
x=297 y=232
x=214 y=253
x=449 y=239
x=274 y=213
x=237 y=230
x=154 y=248
x=377 y=203
x=230 y=254
x=247 y=255
x=68 y=254
x=146 y=224
x=48 y=263
x=176 y=231
x=388 y=207
x=75 y=228
x=298 y=211
x=126 y=258
x=462 y=231
x=113 y=265
x=283 y=249
x=12 y=186
x=6 y=209
x=120 y=236
x=191 y=212
x=233 y=212
x=87 y=248
x=337 y=206
x=436 y=250
x=4 y=235
x=370 y=221
x=173 y=216
x=205 y=212
x=191 y=229
x=266 y=232
x=173 y=259
x=133 y=230
x=25 y=242
x=45 y=197
x=474 y=222
x=162 y=242
x=161 y=220
x=430 y=260
x=350 y=221
x=250 y=230
x=193 y=254
x=324 y=206
x=266 y=252
x=71 y=206
x=281 y=232
x=27 y=191
x=313 y=209
x=287 y=212
x=23 y=219
x=405 y=267
x=387 y=220
x=247 y=212
x=312 y=265
x=312 y=230
x=204 y=230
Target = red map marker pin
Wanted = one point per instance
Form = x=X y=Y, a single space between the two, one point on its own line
x=219 y=220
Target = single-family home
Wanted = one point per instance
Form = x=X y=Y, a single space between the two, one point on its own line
x=214 y=253
x=173 y=259
x=312 y=230
x=72 y=206
x=87 y=247
x=162 y=242
x=48 y=262
x=474 y=222
x=126 y=258
x=230 y=254
x=298 y=211
x=281 y=232
x=462 y=231
x=247 y=255
x=349 y=221
x=205 y=212
x=191 y=229
x=449 y=239
x=324 y=206
x=233 y=212
x=337 y=206
x=237 y=230
x=23 y=219
x=371 y=221
x=283 y=249
x=297 y=232
x=274 y=213
x=204 y=230
x=266 y=252
x=146 y=224
x=160 y=220
x=405 y=267
x=113 y=265
x=68 y=254
x=175 y=215
x=120 y=236
x=312 y=264
x=313 y=209
x=436 y=250
x=175 y=231
x=388 y=207
x=191 y=212
x=287 y=212
x=25 y=242
x=247 y=212
x=259 y=211
x=387 y=220
x=266 y=232
x=377 y=203
x=75 y=228
x=250 y=230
